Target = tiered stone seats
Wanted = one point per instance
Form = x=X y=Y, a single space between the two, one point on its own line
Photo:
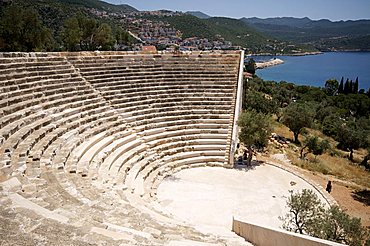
x=44 y=101
x=161 y=100
x=94 y=133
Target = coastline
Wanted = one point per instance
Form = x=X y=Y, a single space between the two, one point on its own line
x=310 y=53
x=328 y=65
x=282 y=54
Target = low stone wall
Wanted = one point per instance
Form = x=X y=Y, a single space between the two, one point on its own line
x=264 y=236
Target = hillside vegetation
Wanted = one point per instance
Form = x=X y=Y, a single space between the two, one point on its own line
x=328 y=127
x=232 y=30
x=51 y=25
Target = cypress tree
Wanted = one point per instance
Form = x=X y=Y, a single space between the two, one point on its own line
x=355 y=86
x=350 y=87
x=347 y=87
x=340 y=88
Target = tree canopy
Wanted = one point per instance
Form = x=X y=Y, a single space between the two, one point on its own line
x=250 y=67
x=331 y=87
x=260 y=102
x=22 y=30
x=255 y=130
x=308 y=215
x=83 y=33
x=344 y=117
x=297 y=116
x=50 y=28
x=314 y=146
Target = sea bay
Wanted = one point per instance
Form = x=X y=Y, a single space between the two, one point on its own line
x=314 y=70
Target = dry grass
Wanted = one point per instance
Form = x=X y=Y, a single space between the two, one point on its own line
x=282 y=130
x=336 y=165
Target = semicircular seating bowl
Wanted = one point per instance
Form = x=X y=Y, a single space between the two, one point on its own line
x=86 y=138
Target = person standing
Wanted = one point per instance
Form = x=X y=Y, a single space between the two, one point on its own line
x=328 y=187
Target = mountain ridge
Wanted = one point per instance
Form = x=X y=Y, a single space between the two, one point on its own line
x=323 y=34
x=198 y=14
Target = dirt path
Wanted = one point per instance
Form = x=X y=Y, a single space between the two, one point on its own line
x=344 y=193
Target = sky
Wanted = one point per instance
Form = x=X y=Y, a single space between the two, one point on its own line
x=315 y=9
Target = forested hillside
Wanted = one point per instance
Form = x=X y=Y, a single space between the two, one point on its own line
x=232 y=30
x=52 y=25
x=325 y=130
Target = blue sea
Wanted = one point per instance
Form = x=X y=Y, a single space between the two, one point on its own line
x=314 y=70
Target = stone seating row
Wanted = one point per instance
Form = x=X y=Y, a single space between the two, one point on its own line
x=142 y=72
x=43 y=85
x=217 y=83
x=58 y=154
x=154 y=69
x=76 y=131
x=15 y=119
x=149 y=60
x=103 y=81
x=160 y=79
x=33 y=69
x=169 y=92
x=177 y=126
x=123 y=150
x=127 y=64
x=36 y=93
x=153 y=105
x=169 y=102
x=36 y=63
x=69 y=120
x=140 y=85
x=25 y=80
x=17 y=75
x=120 y=102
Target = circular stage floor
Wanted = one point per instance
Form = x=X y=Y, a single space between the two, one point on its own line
x=208 y=197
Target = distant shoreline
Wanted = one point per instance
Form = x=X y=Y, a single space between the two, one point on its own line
x=310 y=53
x=295 y=54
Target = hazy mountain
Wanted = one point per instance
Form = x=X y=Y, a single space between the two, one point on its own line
x=198 y=14
x=127 y=8
x=323 y=34
x=281 y=21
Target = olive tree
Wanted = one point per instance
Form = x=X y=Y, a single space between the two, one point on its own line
x=305 y=212
x=255 y=129
x=314 y=146
x=331 y=87
x=307 y=215
x=350 y=137
x=296 y=117
x=339 y=227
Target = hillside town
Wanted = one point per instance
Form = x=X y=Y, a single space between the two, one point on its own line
x=160 y=34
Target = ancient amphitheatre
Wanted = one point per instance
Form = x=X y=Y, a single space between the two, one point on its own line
x=87 y=138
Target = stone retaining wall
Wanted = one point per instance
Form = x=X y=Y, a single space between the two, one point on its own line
x=264 y=236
